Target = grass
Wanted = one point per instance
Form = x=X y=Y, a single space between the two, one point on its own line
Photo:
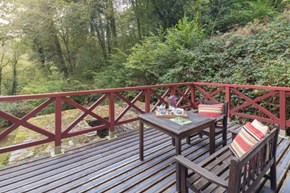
x=4 y=157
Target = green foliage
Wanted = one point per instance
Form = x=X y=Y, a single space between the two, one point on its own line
x=67 y=44
x=276 y=72
x=43 y=84
x=221 y=16
x=18 y=109
x=157 y=61
x=186 y=34
x=247 y=56
x=95 y=40
x=54 y=82
x=169 y=11
x=255 y=54
x=115 y=74
x=142 y=63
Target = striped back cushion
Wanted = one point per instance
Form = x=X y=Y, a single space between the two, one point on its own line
x=211 y=110
x=248 y=136
x=262 y=128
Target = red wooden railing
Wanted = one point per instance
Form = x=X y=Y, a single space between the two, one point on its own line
x=267 y=104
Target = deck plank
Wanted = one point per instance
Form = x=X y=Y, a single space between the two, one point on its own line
x=35 y=164
x=283 y=165
x=81 y=166
x=114 y=166
x=286 y=186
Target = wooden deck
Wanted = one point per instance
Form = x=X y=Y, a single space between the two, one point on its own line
x=114 y=166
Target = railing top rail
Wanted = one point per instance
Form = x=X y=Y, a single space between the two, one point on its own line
x=86 y=92
x=110 y=90
x=277 y=88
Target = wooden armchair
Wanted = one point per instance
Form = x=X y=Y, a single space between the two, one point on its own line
x=222 y=171
x=219 y=128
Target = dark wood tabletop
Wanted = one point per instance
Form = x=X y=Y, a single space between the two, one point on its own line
x=165 y=123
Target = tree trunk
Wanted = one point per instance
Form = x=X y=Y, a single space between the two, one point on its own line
x=137 y=16
x=101 y=36
x=109 y=39
x=60 y=58
x=41 y=57
x=113 y=23
x=0 y=81
x=39 y=49
x=68 y=55
x=2 y=65
x=14 y=79
x=97 y=27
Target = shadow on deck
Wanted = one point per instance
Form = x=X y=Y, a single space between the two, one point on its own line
x=114 y=166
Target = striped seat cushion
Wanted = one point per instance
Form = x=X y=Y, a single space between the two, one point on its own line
x=211 y=110
x=248 y=136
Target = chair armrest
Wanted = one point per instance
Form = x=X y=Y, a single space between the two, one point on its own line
x=201 y=171
x=234 y=131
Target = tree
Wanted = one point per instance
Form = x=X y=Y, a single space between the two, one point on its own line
x=151 y=15
x=9 y=57
x=14 y=62
x=56 y=31
x=103 y=25
x=97 y=26
x=137 y=10
x=4 y=60
x=111 y=26
x=169 y=11
x=5 y=11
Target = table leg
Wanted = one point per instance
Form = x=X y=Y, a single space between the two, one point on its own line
x=141 y=140
x=212 y=139
x=178 y=183
x=188 y=140
x=178 y=146
x=178 y=152
x=173 y=141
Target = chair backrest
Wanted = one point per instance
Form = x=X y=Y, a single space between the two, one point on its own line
x=203 y=101
x=247 y=171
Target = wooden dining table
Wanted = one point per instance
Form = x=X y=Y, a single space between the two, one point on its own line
x=175 y=130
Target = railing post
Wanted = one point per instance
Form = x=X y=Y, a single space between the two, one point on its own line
x=57 y=140
x=173 y=90
x=228 y=99
x=282 y=109
x=193 y=96
x=147 y=100
x=111 y=116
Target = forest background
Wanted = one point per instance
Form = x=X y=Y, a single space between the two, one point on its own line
x=66 y=45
